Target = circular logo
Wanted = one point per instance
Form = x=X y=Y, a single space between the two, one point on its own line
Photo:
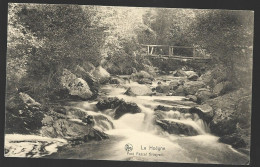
x=128 y=147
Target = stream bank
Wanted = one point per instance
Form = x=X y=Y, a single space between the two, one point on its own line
x=184 y=138
x=145 y=117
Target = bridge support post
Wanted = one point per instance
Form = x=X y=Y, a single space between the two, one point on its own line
x=193 y=53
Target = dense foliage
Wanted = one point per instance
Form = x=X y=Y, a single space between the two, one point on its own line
x=226 y=36
x=44 y=39
x=65 y=52
x=53 y=37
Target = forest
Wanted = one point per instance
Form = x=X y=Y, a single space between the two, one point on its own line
x=74 y=71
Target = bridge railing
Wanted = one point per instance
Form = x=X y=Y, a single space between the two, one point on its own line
x=178 y=52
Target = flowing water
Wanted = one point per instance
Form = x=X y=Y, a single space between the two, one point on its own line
x=136 y=137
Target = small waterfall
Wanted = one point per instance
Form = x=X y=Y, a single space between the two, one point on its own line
x=188 y=119
x=140 y=130
x=140 y=121
x=101 y=121
x=143 y=121
x=148 y=124
x=130 y=121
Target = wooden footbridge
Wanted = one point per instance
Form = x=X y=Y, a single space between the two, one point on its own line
x=172 y=52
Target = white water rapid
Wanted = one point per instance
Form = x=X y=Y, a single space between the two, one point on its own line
x=137 y=137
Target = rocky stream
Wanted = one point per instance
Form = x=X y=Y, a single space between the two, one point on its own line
x=132 y=121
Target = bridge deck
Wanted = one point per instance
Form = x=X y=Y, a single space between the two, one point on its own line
x=167 y=52
x=176 y=57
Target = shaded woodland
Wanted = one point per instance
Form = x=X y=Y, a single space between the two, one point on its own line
x=53 y=48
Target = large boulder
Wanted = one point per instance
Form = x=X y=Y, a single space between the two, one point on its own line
x=189 y=73
x=80 y=72
x=150 y=69
x=222 y=88
x=180 y=73
x=145 y=81
x=142 y=77
x=203 y=94
x=101 y=74
x=216 y=75
x=219 y=74
x=75 y=113
x=72 y=131
x=126 y=107
x=178 y=128
x=180 y=108
x=163 y=88
x=191 y=98
x=140 y=90
x=121 y=107
x=232 y=113
x=47 y=121
x=28 y=100
x=23 y=114
x=170 y=88
x=180 y=91
x=190 y=88
x=205 y=112
x=206 y=77
x=116 y=80
x=235 y=140
x=76 y=86
x=109 y=103
x=218 y=88
x=222 y=122
x=93 y=83
x=80 y=88
x=193 y=77
x=112 y=69
x=174 y=84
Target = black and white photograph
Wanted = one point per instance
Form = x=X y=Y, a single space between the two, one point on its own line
x=119 y=83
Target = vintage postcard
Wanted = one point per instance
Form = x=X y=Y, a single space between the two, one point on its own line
x=129 y=83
